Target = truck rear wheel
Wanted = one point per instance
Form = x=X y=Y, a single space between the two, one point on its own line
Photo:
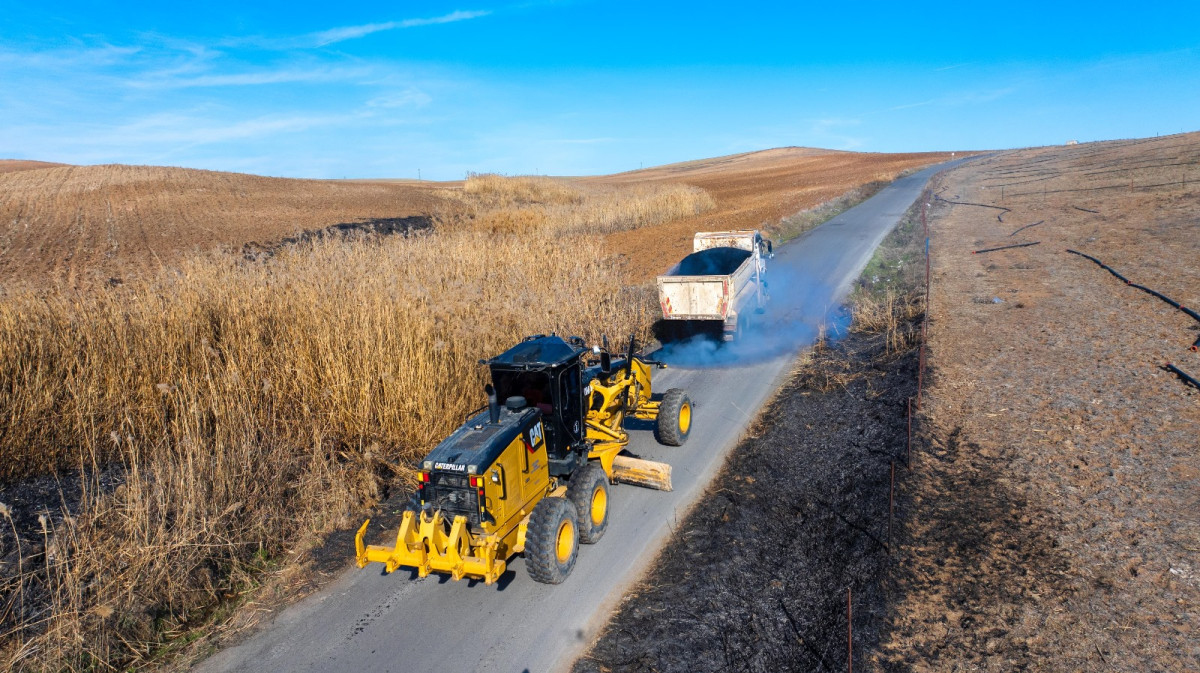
x=552 y=541
x=589 y=493
x=675 y=417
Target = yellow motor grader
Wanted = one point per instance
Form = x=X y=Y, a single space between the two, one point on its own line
x=531 y=472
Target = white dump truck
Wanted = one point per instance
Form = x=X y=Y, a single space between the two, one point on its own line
x=722 y=282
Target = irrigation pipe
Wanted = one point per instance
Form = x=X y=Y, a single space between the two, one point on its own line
x=1026 y=227
x=999 y=217
x=1004 y=247
x=1182 y=375
x=1143 y=288
x=1086 y=210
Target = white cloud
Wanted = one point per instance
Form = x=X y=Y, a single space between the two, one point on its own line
x=411 y=97
x=185 y=130
x=333 y=35
x=89 y=57
x=284 y=76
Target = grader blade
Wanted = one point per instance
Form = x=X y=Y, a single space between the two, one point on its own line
x=640 y=472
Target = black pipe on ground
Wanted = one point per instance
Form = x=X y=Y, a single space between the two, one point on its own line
x=1182 y=375
x=1026 y=227
x=1195 y=316
x=1086 y=210
x=1102 y=265
x=1004 y=247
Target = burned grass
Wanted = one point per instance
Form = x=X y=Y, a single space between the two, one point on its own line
x=757 y=576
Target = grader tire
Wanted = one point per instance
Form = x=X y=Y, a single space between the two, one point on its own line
x=588 y=491
x=675 y=417
x=552 y=540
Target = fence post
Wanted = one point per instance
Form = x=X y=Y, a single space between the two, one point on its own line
x=849 y=634
x=891 y=507
x=908 y=447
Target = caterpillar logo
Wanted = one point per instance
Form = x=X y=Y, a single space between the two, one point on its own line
x=450 y=467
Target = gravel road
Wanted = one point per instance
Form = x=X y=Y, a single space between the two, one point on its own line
x=366 y=621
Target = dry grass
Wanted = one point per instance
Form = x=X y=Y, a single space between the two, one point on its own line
x=893 y=314
x=82 y=224
x=250 y=405
x=519 y=204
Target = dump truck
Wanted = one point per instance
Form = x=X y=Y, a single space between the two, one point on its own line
x=530 y=472
x=722 y=282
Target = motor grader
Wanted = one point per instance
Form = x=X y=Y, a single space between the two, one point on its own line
x=531 y=472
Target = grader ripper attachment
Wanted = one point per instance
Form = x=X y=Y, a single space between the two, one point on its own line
x=533 y=476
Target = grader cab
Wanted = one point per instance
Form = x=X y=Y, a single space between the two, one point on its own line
x=532 y=473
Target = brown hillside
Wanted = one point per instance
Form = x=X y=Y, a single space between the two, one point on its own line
x=79 y=222
x=12 y=165
x=752 y=190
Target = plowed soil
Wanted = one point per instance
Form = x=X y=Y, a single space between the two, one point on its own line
x=752 y=191
x=1052 y=524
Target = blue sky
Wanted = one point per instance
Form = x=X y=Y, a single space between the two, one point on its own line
x=576 y=87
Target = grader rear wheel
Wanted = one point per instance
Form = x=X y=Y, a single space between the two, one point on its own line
x=552 y=541
x=675 y=417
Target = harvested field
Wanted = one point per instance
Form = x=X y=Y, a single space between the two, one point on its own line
x=1052 y=524
x=758 y=190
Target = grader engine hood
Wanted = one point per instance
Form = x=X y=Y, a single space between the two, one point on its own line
x=476 y=444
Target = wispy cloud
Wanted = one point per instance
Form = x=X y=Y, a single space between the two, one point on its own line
x=91 y=57
x=960 y=98
x=262 y=77
x=333 y=35
x=828 y=132
x=411 y=97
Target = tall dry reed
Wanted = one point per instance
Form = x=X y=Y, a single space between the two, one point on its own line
x=249 y=405
x=526 y=203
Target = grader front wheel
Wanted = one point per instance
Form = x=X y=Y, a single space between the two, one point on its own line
x=552 y=541
x=589 y=492
x=675 y=417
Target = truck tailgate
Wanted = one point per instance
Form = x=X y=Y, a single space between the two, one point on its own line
x=694 y=297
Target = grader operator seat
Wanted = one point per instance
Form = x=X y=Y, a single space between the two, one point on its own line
x=553 y=367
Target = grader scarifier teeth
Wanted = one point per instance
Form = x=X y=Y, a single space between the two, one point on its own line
x=423 y=543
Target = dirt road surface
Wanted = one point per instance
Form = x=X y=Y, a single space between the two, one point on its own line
x=367 y=621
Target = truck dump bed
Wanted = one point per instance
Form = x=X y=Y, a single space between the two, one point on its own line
x=722 y=280
x=703 y=285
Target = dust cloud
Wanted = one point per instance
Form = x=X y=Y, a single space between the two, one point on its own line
x=799 y=305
